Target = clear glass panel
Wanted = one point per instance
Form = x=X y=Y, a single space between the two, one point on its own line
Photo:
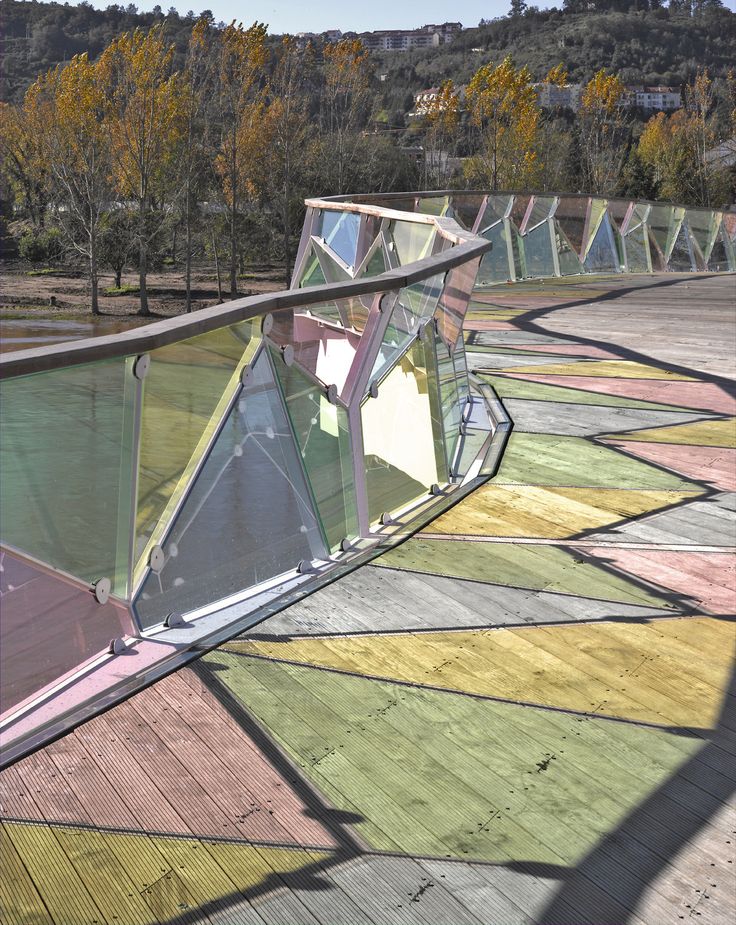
x=50 y=626
x=421 y=298
x=322 y=344
x=568 y=259
x=376 y=263
x=538 y=252
x=323 y=437
x=571 y=215
x=494 y=267
x=660 y=222
x=635 y=244
x=595 y=217
x=465 y=208
x=680 y=256
x=185 y=395
x=517 y=252
x=339 y=231
x=678 y=214
x=248 y=517
x=494 y=211
x=332 y=271
x=602 y=256
x=403 y=450
x=703 y=225
x=412 y=240
x=66 y=461
x=453 y=303
x=518 y=210
x=618 y=209
x=540 y=210
x=451 y=402
x=313 y=275
x=718 y=259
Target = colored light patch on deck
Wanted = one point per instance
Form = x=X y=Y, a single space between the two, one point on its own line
x=706 y=580
x=548 y=513
x=540 y=568
x=681 y=395
x=568 y=349
x=630 y=671
x=87 y=876
x=715 y=466
x=617 y=369
x=509 y=387
x=437 y=773
x=560 y=460
x=721 y=432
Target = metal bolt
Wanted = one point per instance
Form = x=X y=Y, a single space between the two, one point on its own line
x=267 y=324
x=287 y=353
x=386 y=519
x=373 y=389
x=435 y=489
x=117 y=646
x=332 y=394
x=174 y=619
x=246 y=374
x=345 y=545
x=101 y=590
x=157 y=559
x=142 y=365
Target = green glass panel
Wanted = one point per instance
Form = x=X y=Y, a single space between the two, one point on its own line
x=494 y=267
x=465 y=208
x=618 y=209
x=538 y=252
x=313 y=275
x=412 y=241
x=185 y=395
x=571 y=215
x=247 y=518
x=540 y=210
x=718 y=259
x=517 y=252
x=678 y=214
x=402 y=444
x=66 y=461
x=451 y=403
x=566 y=255
x=436 y=205
x=332 y=271
x=595 y=217
x=518 y=210
x=703 y=225
x=494 y=212
x=660 y=222
x=323 y=437
x=602 y=256
x=635 y=243
x=339 y=231
x=680 y=256
x=376 y=263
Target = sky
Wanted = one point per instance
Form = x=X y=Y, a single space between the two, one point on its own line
x=318 y=15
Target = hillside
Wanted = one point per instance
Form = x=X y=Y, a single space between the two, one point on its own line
x=653 y=46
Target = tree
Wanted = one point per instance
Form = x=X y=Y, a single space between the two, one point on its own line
x=22 y=153
x=603 y=130
x=504 y=109
x=442 y=117
x=145 y=120
x=241 y=74
x=517 y=8
x=78 y=150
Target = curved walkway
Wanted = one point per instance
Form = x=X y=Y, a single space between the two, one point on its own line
x=525 y=713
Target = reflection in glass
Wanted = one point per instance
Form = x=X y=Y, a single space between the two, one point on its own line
x=538 y=251
x=185 y=394
x=66 y=461
x=602 y=256
x=339 y=230
x=412 y=240
x=247 y=518
x=323 y=437
x=635 y=244
x=402 y=444
x=494 y=267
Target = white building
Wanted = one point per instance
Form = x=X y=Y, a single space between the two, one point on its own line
x=429 y=36
x=553 y=97
x=655 y=99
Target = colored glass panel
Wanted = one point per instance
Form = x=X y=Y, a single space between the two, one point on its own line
x=451 y=402
x=538 y=251
x=248 y=516
x=659 y=223
x=313 y=275
x=571 y=215
x=376 y=262
x=637 y=250
x=602 y=256
x=402 y=460
x=412 y=241
x=66 y=463
x=566 y=254
x=494 y=266
x=185 y=395
x=339 y=231
x=680 y=258
x=539 y=212
x=332 y=270
x=435 y=205
x=453 y=303
x=50 y=625
x=465 y=208
x=323 y=437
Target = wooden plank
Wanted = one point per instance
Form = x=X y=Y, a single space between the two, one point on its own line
x=20 y=901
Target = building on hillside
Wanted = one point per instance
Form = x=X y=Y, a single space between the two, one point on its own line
x=428 y=36
x=723 y=155
x=304 y=38
x=424 y=100
x=552 y=96
x=654 y=99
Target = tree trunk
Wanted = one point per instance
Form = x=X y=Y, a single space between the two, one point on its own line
x=93 y=280
x=143 y=262
x=233 y=256
x=188 y=255
x=118 y=277
x=217 y=268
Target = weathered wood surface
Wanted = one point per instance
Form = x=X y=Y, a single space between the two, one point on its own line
x=524 y=714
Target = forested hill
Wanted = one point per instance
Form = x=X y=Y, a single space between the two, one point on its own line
x=651 y=46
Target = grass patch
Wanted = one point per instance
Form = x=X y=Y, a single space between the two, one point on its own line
x=123 y=290
x=47 y=271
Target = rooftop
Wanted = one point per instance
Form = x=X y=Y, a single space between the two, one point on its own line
x=524 y=713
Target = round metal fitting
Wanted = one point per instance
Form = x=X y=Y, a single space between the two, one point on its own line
x=267 y=324
x=332 y=394
x=386 y=519
x=373 y=389
x=287 y=353
x=246 y=373
x=157 y=559
x=435 y=489
x=174 y=619
x=305 y=567
x=142 y=365
x=117 y=646
x=101 y=590
x=384 y=302
x=345 y=545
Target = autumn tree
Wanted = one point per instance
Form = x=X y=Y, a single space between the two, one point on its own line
x=505 y=112
x=22 y=154
x=603 y=132
x=289 y=131
x=78 y=153
x=345 y=102
x=241 y=77
x=145 y=122
x=442 y=117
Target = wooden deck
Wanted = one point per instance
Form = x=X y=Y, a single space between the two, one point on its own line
x=524 y=714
